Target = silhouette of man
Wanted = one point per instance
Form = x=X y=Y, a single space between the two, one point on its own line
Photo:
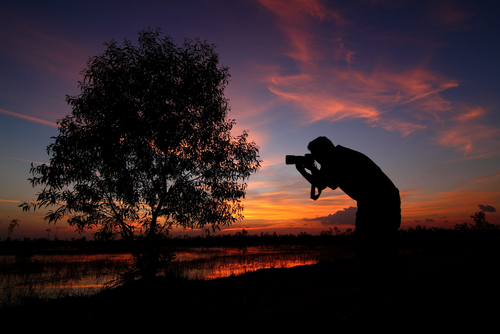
x=379 y=205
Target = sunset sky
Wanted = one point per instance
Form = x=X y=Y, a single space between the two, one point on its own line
x=412 y=84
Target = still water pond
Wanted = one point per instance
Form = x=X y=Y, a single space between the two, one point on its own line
x=49 y=276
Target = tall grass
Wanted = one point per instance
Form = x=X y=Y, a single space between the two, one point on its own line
x=217 y=262
x=24 y=280
x=27 y=280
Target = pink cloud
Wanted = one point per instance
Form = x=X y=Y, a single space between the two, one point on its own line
x=9 y=201
x=403 y=100
x=342 y=53
x=470 y=114
x=487 y=178
x=295 y=9
x=469 y=137
x=334 y=94
x=464 y=132
x=449 y=14
x=29 y=118
x=295 y=18
x=405 y=128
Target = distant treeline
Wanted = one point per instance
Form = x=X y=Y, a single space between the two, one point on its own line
x=239 y=239
x=466 y=235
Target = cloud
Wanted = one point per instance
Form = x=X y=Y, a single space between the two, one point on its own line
x=470 y=114
x=448 y=14
x=327 y=91
x=34 y=162
x=487 y=178
x=336 y=93
x=454 y=205
x=342 y=217
x=328 y=82
x=298 y=9
x=295 y=18
x=464 y=133
x=405 y=128
x=29 y=118
x=487 y=208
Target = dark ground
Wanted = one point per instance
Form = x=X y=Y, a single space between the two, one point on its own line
x=437 y=292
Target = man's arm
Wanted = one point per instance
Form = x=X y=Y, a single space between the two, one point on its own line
x=314 y=177
x=319 y=178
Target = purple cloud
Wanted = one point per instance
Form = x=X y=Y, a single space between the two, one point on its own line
x=487 y=208
x=341 y=217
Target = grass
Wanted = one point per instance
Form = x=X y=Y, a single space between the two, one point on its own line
x=220 y=262
x=39 y=277
x=85 y=268
x=36 y=277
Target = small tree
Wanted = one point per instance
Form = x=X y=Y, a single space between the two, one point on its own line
x=147 y=146
x=480 y=222
x=12 y=225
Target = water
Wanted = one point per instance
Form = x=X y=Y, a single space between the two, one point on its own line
x=51 y=276
x=222 y=262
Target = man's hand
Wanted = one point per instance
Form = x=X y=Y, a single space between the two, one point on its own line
x=313 y=179
x=300 y=168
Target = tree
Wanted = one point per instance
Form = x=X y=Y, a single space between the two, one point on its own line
x=12 y=225
x=480 y=222
x=148 y=144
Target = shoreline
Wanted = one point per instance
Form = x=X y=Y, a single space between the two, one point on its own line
x=450 y=288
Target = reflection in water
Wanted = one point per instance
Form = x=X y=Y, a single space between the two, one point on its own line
x=222 y=262
x=49 y=276
x=52 y=276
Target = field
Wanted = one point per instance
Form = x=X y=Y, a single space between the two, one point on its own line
x=445 y=279
x=32 y=270
x=49 y=276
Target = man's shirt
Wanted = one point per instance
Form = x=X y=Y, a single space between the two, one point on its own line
x=358 y=176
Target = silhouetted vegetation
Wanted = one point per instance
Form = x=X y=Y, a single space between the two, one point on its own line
x=12 y=226
x=31 y=263
x=463 y=237
x=413 y=237
x=239 y=239
x=148 y=146
x=436 y=263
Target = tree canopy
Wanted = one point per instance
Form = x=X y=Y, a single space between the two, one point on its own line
x=148 y=144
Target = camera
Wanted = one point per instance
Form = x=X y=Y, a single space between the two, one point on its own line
x=305 y=160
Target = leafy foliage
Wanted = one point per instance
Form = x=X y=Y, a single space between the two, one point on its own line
x=480 y=224
x=148 y=144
